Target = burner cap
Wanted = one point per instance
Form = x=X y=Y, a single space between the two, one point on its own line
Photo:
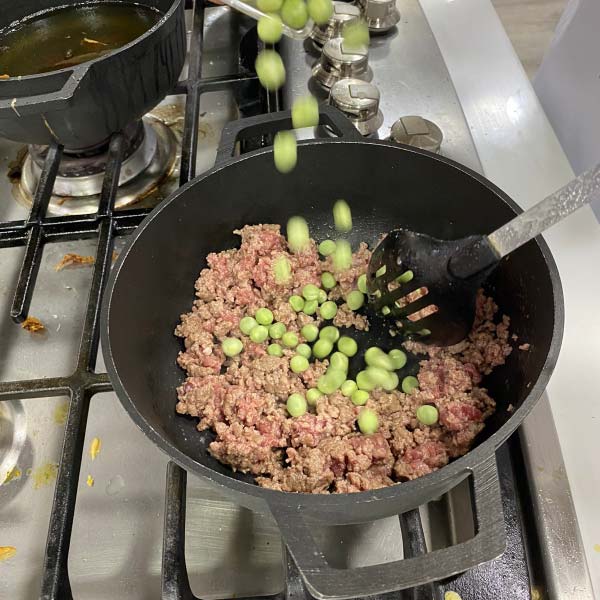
x=359 y=101
x=418 y=132
x=342 y=13
x=380 y=15
x=338 y=63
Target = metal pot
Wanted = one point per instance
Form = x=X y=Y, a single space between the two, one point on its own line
x=81 y=106
x=387 y=185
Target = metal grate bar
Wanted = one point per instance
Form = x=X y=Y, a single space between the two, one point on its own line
x=192 y=105
x=33 y=252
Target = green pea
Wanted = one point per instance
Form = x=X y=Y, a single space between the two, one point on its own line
x=322 y=297
x=285 y=151
x=330 y=333
x=296 y=405
x=270 y=70
x=328 y=281
x=388 y=380
x=398 y=358
x=298 y=364
x=356 y=35
x=296 y=302
x=310 y=307
x=327 y=247
x=304 y=350
x=342 y=216
x=339 y=361
x=427 y=414
x=359 y=397
x=270 y=28
x=376 y=357
x=355 y=299
x=276 y=331
x=409 y=383
x=368 y=422
x=298 y=235
x=348 y=388
x=310 y=292
x=322 y=348
x=312 y=396
x=331 y=381
x=269 y=6
x=282 y=270
x=381 y=271
x=231 y=346
x=405 y=277
x=385 y=311
x=305 y=112
x=294 y=13
x=320 y=11
x=247 y=324
x=263 y=316
x=328 y=310
x=289 y=339
x=347 y=346
x=259 y=334
x=362 y=283
x=364 y=382
x=274 y=350
x=310 y=332
x=342 y=257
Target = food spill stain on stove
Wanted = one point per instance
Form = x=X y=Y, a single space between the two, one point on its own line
x=44 y=475
x=596 y=547
x=115 y=485
x=13 y=474
x=95 y=447
x=90 y=481
x=7 y=552
x=60 y=413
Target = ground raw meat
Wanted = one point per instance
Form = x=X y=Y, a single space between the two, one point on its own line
x=242 y=399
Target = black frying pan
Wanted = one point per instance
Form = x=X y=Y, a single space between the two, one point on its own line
x=387 y=185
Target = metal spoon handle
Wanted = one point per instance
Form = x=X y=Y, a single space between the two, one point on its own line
x=554 y=208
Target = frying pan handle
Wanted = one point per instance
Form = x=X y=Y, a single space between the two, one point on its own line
x=326 y=582
x=271 y=123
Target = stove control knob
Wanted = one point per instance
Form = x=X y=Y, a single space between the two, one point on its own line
x=342 y=13
x=417 y=132
x=380 y=15
x=359 y=101
x=337 y=63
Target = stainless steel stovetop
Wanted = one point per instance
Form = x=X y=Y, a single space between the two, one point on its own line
x=118 y=524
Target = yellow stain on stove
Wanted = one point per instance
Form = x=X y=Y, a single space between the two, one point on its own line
x=44 y=475
x=597 y=547
x=60 y=413
x=13 y=474
x=90 y=481
x=452 y=596
x=95 y=448
x=7 y=552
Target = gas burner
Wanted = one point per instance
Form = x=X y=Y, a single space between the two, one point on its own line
x=418 y=132
x=342 y=13
x=359 y=101
x=337 y=63
x=150 y=157
x=380 y=15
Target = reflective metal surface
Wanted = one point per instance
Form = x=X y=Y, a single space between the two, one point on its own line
x=343 y=13
x=338 y=62
x=417 y=131
x=380 y=15
x=359 y=101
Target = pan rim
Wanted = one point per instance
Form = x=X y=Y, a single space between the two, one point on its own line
x=442 y=479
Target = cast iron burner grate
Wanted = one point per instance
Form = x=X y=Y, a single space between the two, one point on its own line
x=485 y=581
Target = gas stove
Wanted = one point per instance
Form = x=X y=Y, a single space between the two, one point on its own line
x=89 y=508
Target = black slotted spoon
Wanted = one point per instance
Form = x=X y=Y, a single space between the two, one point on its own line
x=439 y=279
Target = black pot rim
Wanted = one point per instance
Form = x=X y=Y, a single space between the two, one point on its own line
x=444 y=478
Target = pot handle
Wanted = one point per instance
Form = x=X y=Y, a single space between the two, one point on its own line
x=271 y=123
x=325 y=582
